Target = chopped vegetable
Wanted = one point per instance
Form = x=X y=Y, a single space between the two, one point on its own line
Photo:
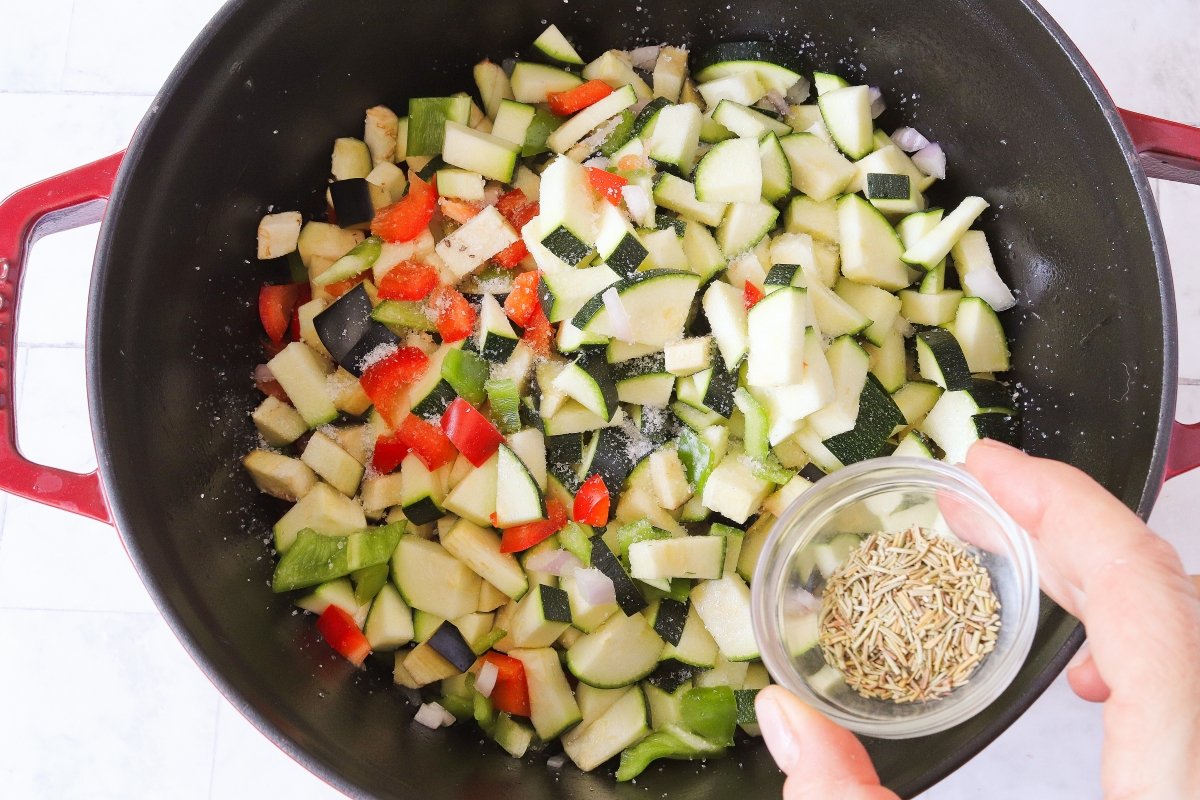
x=591 y=502
x=409 y=217
x=386 y=381
x=579 y=98
x=339 y=629
x=426 y=442
x=510 y=693
x=470 y=432
x=606 y=184
x=408 y=280
x=523 y=537
x=277 y=306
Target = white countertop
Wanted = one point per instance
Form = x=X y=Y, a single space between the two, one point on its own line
x=97 y=698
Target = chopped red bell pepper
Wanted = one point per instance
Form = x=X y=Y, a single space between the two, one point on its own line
x=455 y=316
x=336 y=290
x=538 y=332
x=408 y=280
x=389 y=452
x=751 y=294
x=511 y=692
x=592 y=502
x=294 y=326
x=523 y=537
x=405 y=219
x=515 y=208
x=606 y=184
x=579 y=98
x=386 y=382
x=458 y=210
x=341 y=631
x=426 y=442
x=276 y=304
x=523 y=300
x=472 y=433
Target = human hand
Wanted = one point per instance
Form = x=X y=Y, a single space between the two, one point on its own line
x=1101 y=563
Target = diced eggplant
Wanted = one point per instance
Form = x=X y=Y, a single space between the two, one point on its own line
x=348 y=332
x=448 y=641
x=352 y=202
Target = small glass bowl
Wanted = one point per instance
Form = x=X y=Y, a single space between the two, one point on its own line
x=813 y=538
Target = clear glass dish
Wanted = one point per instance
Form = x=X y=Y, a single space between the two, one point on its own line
x=814 y=536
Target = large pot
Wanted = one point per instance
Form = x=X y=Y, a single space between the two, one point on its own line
x=246 y=120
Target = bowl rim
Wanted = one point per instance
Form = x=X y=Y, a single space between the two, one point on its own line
x=789 y=535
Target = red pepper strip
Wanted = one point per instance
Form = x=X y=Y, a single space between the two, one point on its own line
x=511 y=692
x=405 y=219
x=455 y=316
x=523 y=537
x=336 y=290
x=606 y=184
x=579 y=98
x=408 y=280
x=538 y=332
x=426 y=442
x=389 y=452
x=386 y=382
x=523 y=300
x=471 y=432
x=751 y=294
x=592 y=502
x=458 y=210
x=339 y=629
x=276 y=304
x=518 y=211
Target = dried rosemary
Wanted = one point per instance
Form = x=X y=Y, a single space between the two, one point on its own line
x=908 y=617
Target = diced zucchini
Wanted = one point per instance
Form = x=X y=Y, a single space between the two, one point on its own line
x=724 y=607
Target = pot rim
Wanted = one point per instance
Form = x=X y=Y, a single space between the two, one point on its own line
x=326 y=770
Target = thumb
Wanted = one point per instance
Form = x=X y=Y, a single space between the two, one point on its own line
x=826 y=760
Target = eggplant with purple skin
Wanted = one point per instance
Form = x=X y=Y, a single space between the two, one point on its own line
x=348 y=332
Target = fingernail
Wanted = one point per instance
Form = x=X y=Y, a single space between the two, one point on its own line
x=777 y=731
x=1082 y=655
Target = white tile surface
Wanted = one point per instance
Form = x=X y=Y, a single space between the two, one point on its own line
x=101 y=706
x=111 y=706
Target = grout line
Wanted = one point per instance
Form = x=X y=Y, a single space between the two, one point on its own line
x=212 y=770
x=50 y=345
x=76 y=93
x=62 y=75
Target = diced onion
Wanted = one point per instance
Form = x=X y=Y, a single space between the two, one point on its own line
x=553 y=562
x=486 y=680
x=556 y=761
x=599 y=162
x=877 y=102
x=799 y=91
x=637 y=201
x=910 y=140
x=931 y=160
x=595 y=587
x=448 y=719
x=644 y=57
x=492 y=192
x=622 y=325
x=263 y=374
x=432 y=716
x=778 y=102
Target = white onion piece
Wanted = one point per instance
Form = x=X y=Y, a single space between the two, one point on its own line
x=599 y=162
x=622 y=325
x=644 y=57
x=553 y=562
x=877 y=102
x=778 y=102
x=931 y=160
x=987 y=285
x=799 y=91
x=556 y=761
x=448 y=719
x=595 y=587
x=431 y=715
x=485 y=682
x=637 y=201
x=492 y=192
x=910 y=140
x=263 y=374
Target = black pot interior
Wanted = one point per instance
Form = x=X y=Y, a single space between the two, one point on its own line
x=247 y=121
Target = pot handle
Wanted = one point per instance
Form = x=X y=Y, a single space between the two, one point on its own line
x=1171 y=151
x=1166 y=149
x=65 y=201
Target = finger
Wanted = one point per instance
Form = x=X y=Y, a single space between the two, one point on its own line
x=1141 y=610
x=821 y=759
x=1085 y=678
